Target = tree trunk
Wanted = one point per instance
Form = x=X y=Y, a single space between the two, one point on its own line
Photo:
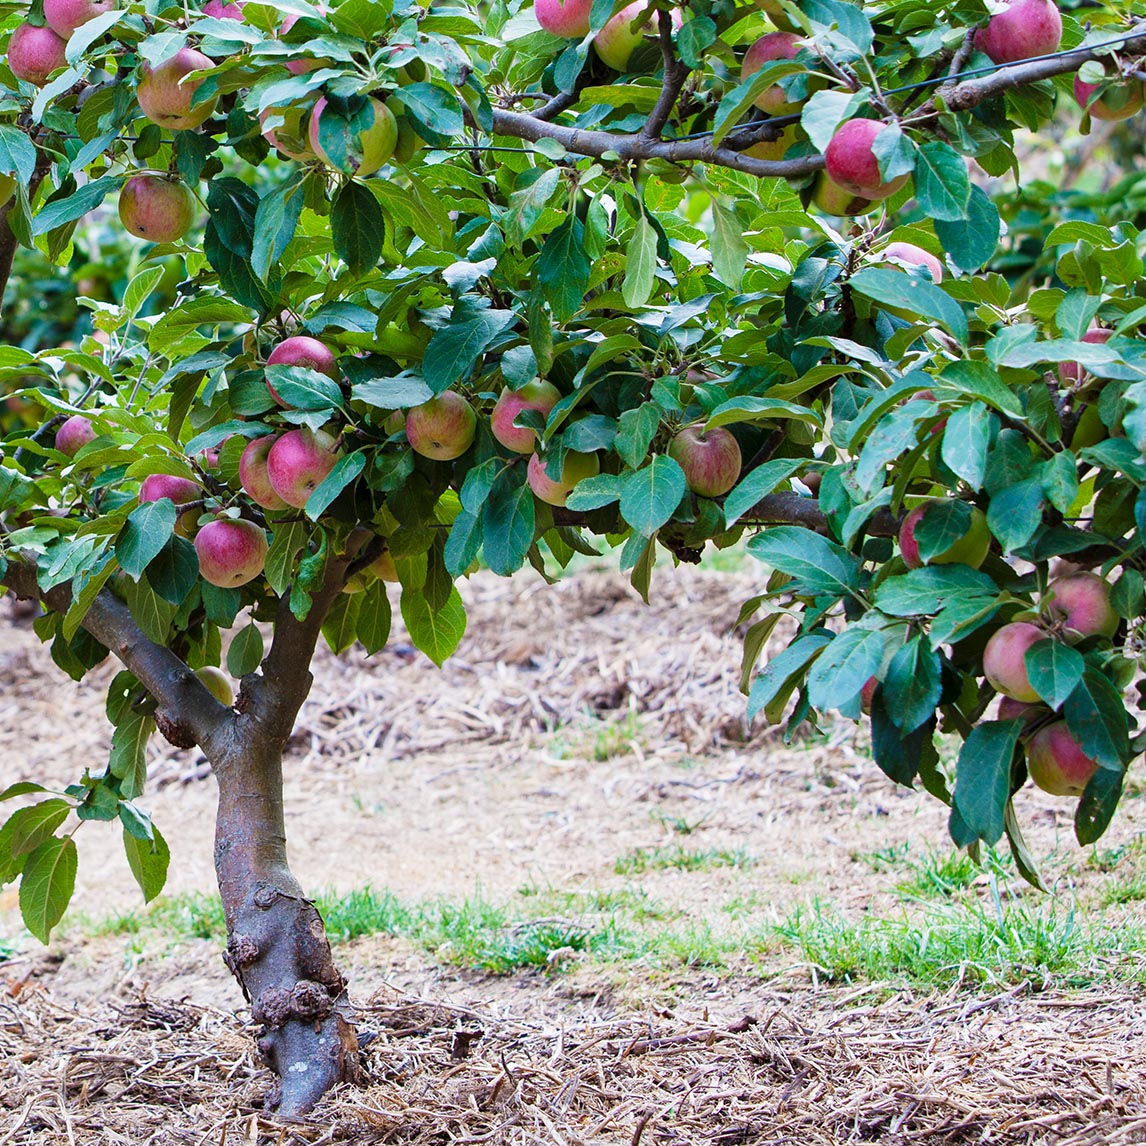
x=276 y=941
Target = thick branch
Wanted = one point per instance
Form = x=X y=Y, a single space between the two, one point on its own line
x=173 y=685
x=676 y=72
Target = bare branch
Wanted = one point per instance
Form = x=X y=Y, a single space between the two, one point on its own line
x=174 y=686
x=676 y=72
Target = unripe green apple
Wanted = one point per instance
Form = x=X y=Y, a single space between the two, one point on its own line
x=575 y=468
x=834 y=200
x=618 y=39
x=217 y=683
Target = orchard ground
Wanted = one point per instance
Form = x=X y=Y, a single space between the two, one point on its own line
x=580 y=901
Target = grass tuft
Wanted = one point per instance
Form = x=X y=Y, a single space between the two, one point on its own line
x=641 y=860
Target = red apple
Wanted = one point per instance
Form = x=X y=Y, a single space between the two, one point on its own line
x=913 y=256
x=1072 y=373
x=253 y=473
x=166 y=100
x=1082 y=601
x=773 y=46
x=230 y=552
x=1118 y=101
x=867 y=693
x=576 y=467
x=291 y=137
x=442 y=428
x=298 y=462
x=1057 y=763
x=970 y=549
x=1027 y=28
x=156 y=208
x=375 y=145
x=65 y=16
x=74 y=434
x=180 y=491
x=34 y=53
x=302 y=350
x=710 y=459
x=222 y=11
x=537 y=395
x=1003 y=663
x=617 y=40
x=851 y=163
x=569 y=18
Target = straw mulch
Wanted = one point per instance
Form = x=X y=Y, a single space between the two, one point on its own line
x=801 y=1068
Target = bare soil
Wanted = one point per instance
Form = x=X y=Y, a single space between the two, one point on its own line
x=574 y=725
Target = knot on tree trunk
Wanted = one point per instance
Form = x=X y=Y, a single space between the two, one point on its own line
x=273 y=1007
x=310 y=1000
x=242 y=951
x=175 y=732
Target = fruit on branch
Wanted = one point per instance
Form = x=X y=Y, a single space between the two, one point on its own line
x=298 y=462
x=442 y=428
x=1010 y=709
x=74 y=434
x=834 y=200
x=710 y=459
x=1057 y=763
x=1072 y=373
x=230 y=552
x=569 y=18
x=222 y=11
x=253 y=475
x=1118 y=101
x=1003 y=663
x=576 y=467
x=773 y=46
x=217 y=683
x=34 y=53
x=618 y=40
x=300 y=67
x=774 y=149
x=914 y=256
x=372 y=148
x=1026 y=28
x=293 y=142
x=165 y=98
x=382 y=568
x=537 y=395
x=970 y=549
x=778 y=16
x=65 y=16
x=1082 y=602
x=180 y=491
x=867 y=693
x=851 y=163
x=302 y=350
x=409 y=142
x=156 y=208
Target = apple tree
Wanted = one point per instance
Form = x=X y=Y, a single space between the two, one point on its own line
x=502 y=283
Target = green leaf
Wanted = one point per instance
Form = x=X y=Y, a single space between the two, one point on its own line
x=737 y=101
x=346 y=470
x=925 y=591
x=635 y=433
x=439 y=633
x=57 y=212
x=276 y=221
x=760 y=482
x=971 y=242
x=397 y=393
x=287 y=540
x=304 y=389
x=912 y=687
x=128 y=759
x=1096 y=717
x=563 y=268
x=1060 y=480
x=29 y=827
x=374 y=618
x=752 y=409
x=17 y=154
x=340 y=627
x=144 y=534
x=454 y=350
x=21 y=788
x=966 y=441
x=729 y=250
x=945 y=522
x=845 y=666
x=435 y=111
x=649 y=496
x=47 y=884
x=508 y=522
x=816 y=565
x=140 y=288
x=1097 y=805
x=245 y=653
x=640 y=264
x=983 y=777
x=780 y=669
x=942 y=184
x=914 y=294
x=1054 y=670
x=357 y=227
x=1016 y=513
x=174 y=571
x=148 y=860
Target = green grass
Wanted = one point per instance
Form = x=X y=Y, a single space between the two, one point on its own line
x=966 y=943
x=641 y=860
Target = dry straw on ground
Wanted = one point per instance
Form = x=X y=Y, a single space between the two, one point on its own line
x=804 y=1068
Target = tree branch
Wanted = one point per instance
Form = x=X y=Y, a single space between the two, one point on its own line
x=676 y=72
x=173 y=685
